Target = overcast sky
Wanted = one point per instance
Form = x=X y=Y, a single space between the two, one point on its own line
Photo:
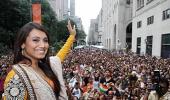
x=87 y=9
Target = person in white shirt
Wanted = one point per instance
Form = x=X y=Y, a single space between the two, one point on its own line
x=76 y=91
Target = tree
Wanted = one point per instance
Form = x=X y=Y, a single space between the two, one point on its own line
x=13 y=15
x=81 y=37
x=50 y=21
x=63 y=34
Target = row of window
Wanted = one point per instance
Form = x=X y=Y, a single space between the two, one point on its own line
x=150 y=20
x=148 y=42
x=165 y=45
x=140 y=3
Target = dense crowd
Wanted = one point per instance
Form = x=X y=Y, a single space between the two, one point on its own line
x=98 y=74
x=105 y=75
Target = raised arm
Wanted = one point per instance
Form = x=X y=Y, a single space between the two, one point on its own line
x=66 y=48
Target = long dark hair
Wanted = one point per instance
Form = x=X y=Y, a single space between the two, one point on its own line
x=44 y=63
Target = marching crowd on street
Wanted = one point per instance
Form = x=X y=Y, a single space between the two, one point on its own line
x=105 y=75
x=99 y=74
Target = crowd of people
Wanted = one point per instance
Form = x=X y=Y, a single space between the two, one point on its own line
x=109 y=75
x=98 y=74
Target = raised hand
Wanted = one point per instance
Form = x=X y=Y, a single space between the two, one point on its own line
x=71 y=29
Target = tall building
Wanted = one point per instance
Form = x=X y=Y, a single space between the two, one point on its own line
x=100 y=28
x=72 y=8
x=151 y=32
x=92 y=38
x=76 y=19
x=78 y=22
x=116 y=28
x=72 y=16
x=65 y=9
x=60 y=7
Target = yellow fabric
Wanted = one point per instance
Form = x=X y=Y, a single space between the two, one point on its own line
x=10 y=75
x=66 y=48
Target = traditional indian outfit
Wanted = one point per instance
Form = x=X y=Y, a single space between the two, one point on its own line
x=24 y=83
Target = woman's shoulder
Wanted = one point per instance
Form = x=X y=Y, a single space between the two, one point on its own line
x=9 y=76
x=13 y=87
x=54 y=58
x=55 y=62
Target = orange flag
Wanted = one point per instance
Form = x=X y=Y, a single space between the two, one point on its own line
x=36 y=13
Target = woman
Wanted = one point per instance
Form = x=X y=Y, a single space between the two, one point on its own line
x=35 y=75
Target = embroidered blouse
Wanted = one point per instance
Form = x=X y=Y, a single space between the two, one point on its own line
x=14 y=88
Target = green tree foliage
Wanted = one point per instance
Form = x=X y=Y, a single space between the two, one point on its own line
x=15 y=13
x=49 y=20
x=63 y=34
x=81 y=37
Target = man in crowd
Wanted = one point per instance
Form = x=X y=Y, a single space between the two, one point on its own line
x=161 y=91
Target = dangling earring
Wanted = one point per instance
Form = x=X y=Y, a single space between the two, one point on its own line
x=22 y=51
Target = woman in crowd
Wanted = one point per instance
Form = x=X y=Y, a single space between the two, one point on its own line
x=35 y=75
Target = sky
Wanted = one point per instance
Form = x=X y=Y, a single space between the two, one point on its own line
x=86 y=10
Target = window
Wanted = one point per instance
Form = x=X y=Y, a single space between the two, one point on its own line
x=165 y=50
x=96 y=27
x=166 y=14
x=150 y=20
x=148 y=41
x=140 y=4
x=138 y=46
x=139 y=24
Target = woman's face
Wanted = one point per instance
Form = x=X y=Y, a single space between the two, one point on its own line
x=36 y=45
